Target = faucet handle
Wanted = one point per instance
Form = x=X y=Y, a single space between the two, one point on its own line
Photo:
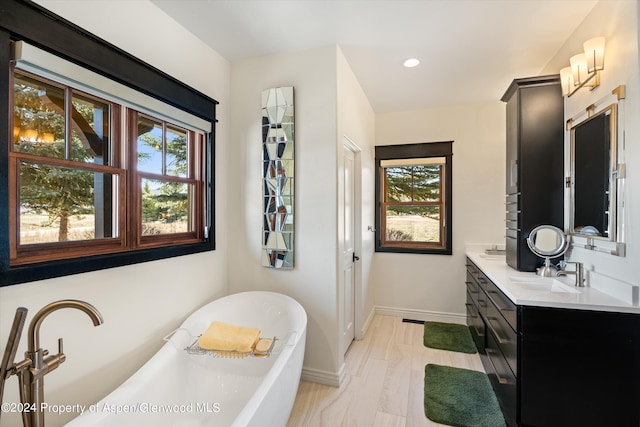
x=61 y=356
x=52 y=362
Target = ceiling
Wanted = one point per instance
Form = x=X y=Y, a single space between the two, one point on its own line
x=470 y=49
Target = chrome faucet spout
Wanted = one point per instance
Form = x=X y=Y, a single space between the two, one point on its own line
x=579 y=273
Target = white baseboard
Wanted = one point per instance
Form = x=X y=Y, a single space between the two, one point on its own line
x=323 y=377
x=334 y=379
x=426 y=316
x=367 y=323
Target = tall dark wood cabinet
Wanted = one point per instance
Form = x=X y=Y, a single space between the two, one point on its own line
x=535 y=163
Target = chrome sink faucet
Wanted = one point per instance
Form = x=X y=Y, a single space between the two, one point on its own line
x=38 y=363
x=578 y=272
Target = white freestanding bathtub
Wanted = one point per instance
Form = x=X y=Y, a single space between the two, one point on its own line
x=176 y=388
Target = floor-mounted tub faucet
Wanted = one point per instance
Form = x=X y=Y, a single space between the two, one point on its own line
x=38 y=363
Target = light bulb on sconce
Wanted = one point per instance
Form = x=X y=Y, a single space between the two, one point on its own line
x=579 y=68
x=47 y=138
x=585 y=67
x=594 y=54
x=31 y=135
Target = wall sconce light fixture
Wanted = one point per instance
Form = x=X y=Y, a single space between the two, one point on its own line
x=585 y=67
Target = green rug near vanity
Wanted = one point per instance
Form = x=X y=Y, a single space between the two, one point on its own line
x=448 y=336
x=460 y=397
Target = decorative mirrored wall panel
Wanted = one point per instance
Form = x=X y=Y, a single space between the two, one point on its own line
x=277 y=177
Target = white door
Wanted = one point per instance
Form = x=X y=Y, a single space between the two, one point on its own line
x=347 y=293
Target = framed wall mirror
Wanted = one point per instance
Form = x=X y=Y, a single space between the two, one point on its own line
x=595 y=220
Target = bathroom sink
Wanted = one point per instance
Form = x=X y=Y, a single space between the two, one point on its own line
x=543 y=285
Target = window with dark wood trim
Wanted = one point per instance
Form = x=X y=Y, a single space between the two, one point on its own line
x=74 y=193
x=26 y=21
x=413 y=195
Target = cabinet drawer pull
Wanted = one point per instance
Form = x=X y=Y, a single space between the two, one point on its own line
x=503 y=381
x=498 y=306
x=478 y=331
x=471 y=288
x=501 y=340
x=473 y=316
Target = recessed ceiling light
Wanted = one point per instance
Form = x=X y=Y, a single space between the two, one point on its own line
x=411 y=62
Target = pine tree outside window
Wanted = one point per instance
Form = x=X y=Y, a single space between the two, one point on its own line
x=414 y=198
x=81 y=188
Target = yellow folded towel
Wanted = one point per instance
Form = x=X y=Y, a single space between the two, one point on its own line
x=225 y=337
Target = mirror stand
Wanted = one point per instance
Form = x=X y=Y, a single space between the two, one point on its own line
x=547 y=270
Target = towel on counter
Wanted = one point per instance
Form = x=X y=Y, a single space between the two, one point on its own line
x=225 y=337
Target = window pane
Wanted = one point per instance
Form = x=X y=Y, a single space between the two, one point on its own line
x=165 y=207
x=149 y=145
x=426 y=183
x=38 y=125
x=61 y=204
x=399 y=185
x=90 y=130
x=177 y=152
x=413 y=223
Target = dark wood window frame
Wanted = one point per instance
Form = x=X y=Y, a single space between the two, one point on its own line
x=27 y=21
x=415 y=151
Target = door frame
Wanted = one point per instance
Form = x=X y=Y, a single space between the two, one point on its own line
x=348 y=144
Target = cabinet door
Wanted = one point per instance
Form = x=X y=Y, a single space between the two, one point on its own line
x=579 y=368
x=512 y=144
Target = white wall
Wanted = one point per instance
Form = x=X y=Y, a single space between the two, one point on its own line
x=618 y=22
x=140 y=303
x=312 y=282
x=435 y=283
x=356 y=121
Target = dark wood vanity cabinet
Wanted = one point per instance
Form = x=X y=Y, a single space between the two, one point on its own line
x=554 y=366
x=535 y=163
x=492 y=321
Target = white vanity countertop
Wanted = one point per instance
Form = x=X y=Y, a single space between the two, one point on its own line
x=521 y=286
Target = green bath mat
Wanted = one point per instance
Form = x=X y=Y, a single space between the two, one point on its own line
x=460 y=397
x=448 y=336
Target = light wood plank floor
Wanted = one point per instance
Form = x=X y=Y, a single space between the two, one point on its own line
x=384 y=381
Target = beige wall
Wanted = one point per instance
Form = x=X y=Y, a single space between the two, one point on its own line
x=140 y=303
x=312 y=282
x=329 y=104
x=434 y=284
x=356 y=122
x=618 y=22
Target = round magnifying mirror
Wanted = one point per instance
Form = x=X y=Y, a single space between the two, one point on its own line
x=547 y=242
